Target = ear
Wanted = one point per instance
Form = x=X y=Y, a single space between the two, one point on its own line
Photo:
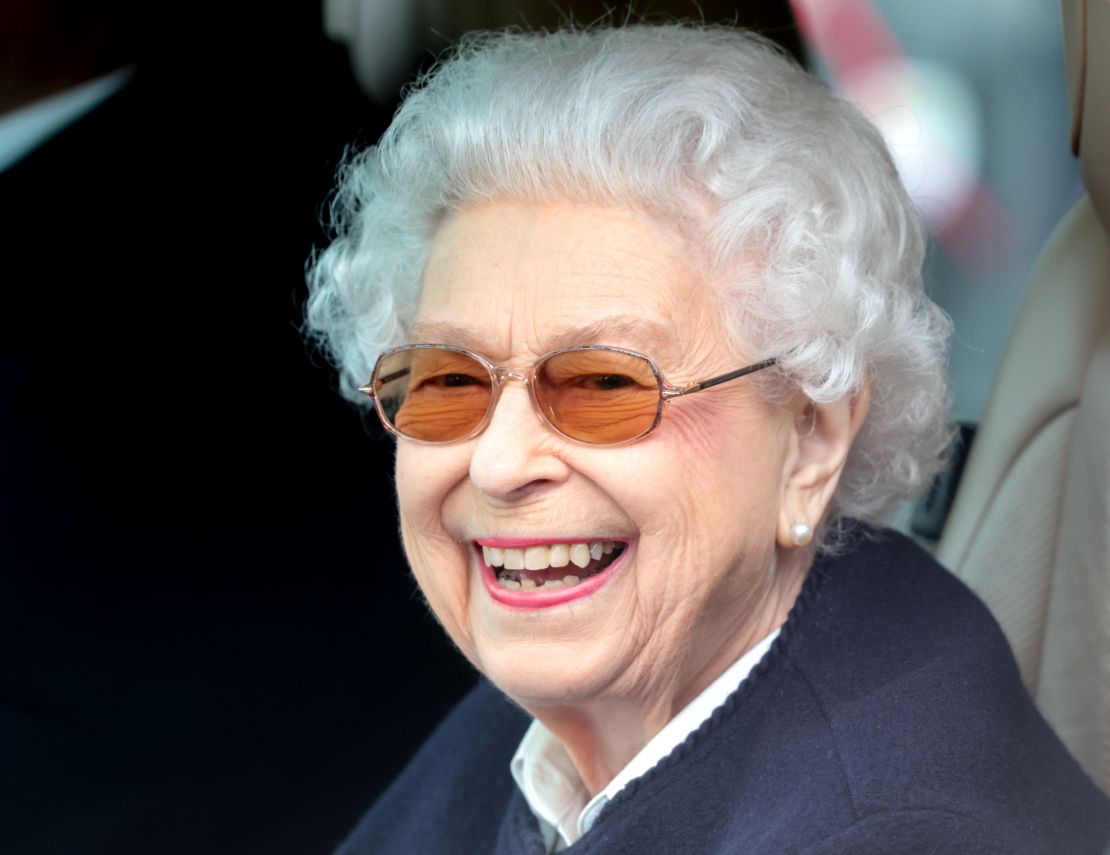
x=823 y=435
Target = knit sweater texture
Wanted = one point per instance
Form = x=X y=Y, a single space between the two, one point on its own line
x=888 y=717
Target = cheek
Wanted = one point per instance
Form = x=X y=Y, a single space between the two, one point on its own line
x=438 y=562
x=733 y=444
x=425 y=477
x=717 y=485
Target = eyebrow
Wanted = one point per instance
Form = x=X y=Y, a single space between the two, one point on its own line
x=640 y=334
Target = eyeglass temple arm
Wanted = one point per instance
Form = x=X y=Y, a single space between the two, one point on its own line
x=388 y=378
x=720 y=378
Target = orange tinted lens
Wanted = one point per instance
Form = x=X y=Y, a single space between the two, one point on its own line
x=432 y=394
x=598 y=395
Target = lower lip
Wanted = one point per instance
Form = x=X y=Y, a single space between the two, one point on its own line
x=540 y=600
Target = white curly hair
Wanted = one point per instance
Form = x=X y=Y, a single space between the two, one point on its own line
x=692 y=124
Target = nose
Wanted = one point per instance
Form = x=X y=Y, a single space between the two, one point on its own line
x=516 y=456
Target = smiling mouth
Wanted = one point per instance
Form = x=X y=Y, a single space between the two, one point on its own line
x=552 y=566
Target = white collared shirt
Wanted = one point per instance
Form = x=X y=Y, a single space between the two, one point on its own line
x=555 y=793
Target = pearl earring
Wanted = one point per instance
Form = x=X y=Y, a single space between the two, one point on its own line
x=801 y=533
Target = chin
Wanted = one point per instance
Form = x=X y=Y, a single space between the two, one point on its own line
x=539 y=675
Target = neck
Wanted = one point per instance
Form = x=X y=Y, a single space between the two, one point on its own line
x=604 y=735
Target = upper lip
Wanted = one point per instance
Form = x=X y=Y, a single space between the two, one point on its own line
x=524 y=542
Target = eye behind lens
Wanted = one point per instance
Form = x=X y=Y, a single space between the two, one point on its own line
x=437 y=394
x=598 y=395
x=608 y=382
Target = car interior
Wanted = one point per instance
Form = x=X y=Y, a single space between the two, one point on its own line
x=1029 y=529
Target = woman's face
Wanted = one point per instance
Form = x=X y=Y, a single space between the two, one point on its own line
x=692 y=507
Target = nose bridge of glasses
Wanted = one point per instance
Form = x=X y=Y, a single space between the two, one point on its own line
x=501 y=376
x=504 y=374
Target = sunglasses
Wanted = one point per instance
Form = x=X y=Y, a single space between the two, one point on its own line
x=595 y=394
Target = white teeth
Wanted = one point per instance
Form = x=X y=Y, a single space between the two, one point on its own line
x=570 y=580
x=553 y=584
x=542 y=557
x=527 y=584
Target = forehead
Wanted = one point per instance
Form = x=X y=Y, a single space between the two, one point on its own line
x=507 y=278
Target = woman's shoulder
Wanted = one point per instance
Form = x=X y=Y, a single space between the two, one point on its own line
x=923 y=697
x=889 y=604
x=882 y=627
x=452 y=786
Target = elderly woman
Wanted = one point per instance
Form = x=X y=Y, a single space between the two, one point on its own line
x=643 y=308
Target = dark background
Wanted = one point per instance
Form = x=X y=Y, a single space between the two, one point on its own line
x=209 y=641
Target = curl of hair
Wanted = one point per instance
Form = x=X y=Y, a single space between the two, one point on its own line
x=709 y=129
